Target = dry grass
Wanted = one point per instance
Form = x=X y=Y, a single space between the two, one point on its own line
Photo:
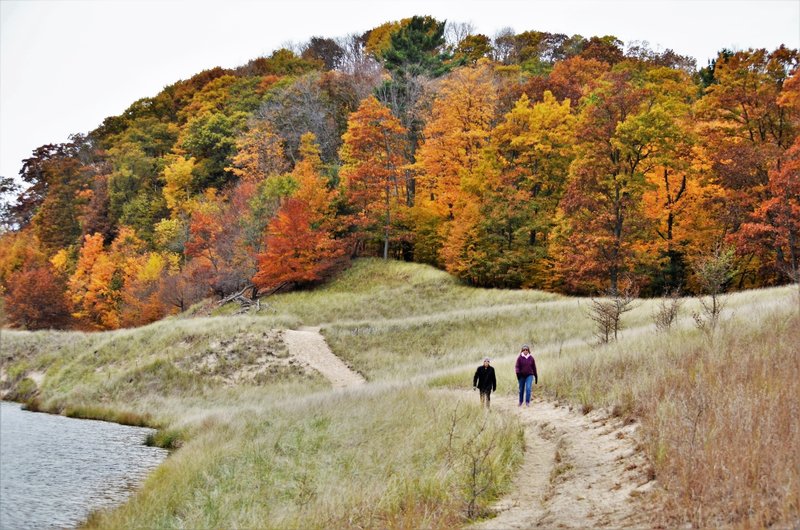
x=383 y=457
x=719 y=413
x=154 y=375
x=283 y=451
x=388 y=349
x=723 y=432
x=373 y=289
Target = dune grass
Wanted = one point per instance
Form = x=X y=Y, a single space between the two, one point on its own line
x=722 y=426
x=403 y=348
x=120 y=375
x=279 y=449
x=719 y=413
x=280 y=452
x=383 y=457
x=377 y=289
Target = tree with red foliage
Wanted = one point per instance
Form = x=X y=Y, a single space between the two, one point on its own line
x=296 y=252
x=35 y=299
x=179 y=290
x=747 y=124
x=225 y=233
x=776 y=225
x=204 y=231
x=299 y=241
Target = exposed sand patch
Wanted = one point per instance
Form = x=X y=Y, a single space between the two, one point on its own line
x=247 y=358
x=36 y=377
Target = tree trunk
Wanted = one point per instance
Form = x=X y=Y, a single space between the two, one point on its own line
x=386 y=228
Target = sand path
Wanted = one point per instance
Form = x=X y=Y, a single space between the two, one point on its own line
x=578 y=471
x=308 y=346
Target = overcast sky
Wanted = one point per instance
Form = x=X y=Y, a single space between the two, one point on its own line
x=66 y=65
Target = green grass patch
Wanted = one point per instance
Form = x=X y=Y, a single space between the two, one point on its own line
x=374 y=289
x=378 y=458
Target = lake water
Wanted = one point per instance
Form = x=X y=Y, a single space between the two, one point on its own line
x=55 y=470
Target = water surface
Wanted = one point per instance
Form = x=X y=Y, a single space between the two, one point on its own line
x=55 y=470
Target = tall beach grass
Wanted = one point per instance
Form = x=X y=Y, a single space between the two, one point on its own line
x=382 y=457
x=278 y=448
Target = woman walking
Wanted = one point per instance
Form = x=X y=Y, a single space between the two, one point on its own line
x=526 y=374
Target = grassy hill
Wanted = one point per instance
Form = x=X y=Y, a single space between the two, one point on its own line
x=266 y=443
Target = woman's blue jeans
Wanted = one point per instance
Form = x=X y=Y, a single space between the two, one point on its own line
x=525 y=382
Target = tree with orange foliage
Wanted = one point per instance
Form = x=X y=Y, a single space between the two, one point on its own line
x=373 y=158
x=205 y=229
x=601 y=206
x=575 y=77
x=296 y=253
x=678 y=199
x=33 y=290
x=312 y=186
x=448 y=160
x=95 y=287
x=19 y=250
x=458 y=252
x=116 y=286
x=299 y=241
x=455 y=136
x=259 y=153
x=140 y=273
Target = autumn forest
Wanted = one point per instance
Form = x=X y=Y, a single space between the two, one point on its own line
x=572 y=164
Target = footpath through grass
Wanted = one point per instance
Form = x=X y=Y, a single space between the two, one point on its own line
x=265 y=443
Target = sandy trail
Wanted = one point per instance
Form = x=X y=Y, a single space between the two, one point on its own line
x=579 y=471
x=308 y=346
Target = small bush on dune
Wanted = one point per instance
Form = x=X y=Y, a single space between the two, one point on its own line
x=607 y=312
x=23 y=391
x=713 y=272
x=668 y=311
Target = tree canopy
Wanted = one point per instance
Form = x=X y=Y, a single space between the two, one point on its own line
x=533 y=159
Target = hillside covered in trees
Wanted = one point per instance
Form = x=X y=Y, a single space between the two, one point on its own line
x=532 y=160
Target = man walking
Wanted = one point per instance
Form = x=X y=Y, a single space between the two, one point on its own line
x=485 y=381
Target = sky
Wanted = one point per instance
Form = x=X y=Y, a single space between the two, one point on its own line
x=67 y=65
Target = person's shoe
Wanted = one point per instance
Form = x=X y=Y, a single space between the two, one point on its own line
x=519 y=404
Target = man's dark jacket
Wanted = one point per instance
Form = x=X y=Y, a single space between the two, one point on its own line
x=484 y=379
